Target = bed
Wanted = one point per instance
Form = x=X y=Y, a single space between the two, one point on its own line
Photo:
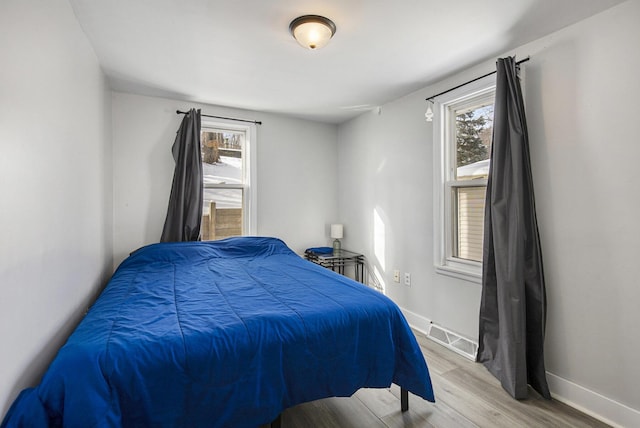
x=226 y=333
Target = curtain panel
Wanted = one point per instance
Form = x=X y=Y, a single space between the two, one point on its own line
x=184 y=214
x=513 y=302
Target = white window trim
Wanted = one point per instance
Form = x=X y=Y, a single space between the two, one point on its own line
x=250 y=196
x=444 y=263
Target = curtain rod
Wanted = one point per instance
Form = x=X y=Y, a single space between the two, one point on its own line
x=430 y=99
x=257 y=122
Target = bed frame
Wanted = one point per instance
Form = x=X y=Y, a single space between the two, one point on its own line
x=404 y=406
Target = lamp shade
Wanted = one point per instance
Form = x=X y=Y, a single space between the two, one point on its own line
x=336 y=231
x=312 y=31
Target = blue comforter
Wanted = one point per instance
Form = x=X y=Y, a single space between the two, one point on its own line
x=225 y=333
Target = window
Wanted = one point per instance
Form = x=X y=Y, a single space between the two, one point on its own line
x=229 y=199
x=462 y=136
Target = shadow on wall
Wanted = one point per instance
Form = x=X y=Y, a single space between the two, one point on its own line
x=161 y=167
x=551 y=122
x=35 y=368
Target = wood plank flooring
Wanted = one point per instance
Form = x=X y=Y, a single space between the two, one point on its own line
x=467 y=395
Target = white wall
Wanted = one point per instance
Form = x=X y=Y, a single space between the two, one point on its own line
x=61 y=192
x=581 y=89
x=55 y=185
x=296 y=172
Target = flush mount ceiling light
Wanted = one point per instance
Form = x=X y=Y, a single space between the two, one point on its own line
x=312 y=31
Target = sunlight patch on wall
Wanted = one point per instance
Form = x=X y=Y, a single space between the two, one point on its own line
x=379 y=236
x=378 y=281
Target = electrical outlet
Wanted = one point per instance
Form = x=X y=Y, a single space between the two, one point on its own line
x=407 y=279
x=396 y=276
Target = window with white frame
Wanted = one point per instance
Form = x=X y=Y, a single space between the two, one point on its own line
x=462 y=136
x=228 y=176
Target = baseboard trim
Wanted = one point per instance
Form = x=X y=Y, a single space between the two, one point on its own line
x=590 y=402
x=417 y=322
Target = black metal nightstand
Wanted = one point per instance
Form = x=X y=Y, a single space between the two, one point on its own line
x=337 y=260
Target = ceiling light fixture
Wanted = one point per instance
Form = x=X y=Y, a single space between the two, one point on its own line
x=312 y=31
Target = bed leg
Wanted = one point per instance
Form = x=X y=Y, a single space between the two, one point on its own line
x=277 y=421
x=404 y=399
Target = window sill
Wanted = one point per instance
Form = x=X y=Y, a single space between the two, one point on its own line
x=470 y=274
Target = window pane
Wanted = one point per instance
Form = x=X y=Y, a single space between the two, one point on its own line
x=222 y=156
x=222 y=214
x=474 y=128
x=222 y=165
x=469 y=222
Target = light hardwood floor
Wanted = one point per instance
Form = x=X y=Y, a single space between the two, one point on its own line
x=467 y=395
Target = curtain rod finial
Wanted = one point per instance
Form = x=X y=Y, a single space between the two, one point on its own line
x=428 y=116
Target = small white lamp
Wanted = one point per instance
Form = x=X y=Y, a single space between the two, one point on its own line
x=336 y=234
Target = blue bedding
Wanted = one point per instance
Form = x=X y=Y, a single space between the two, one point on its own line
x=226 y=333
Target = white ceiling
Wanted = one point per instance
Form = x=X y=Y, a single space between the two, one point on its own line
x=239 y=53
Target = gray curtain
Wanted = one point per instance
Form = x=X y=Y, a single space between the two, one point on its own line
x=513 y=304
x=184 y=213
